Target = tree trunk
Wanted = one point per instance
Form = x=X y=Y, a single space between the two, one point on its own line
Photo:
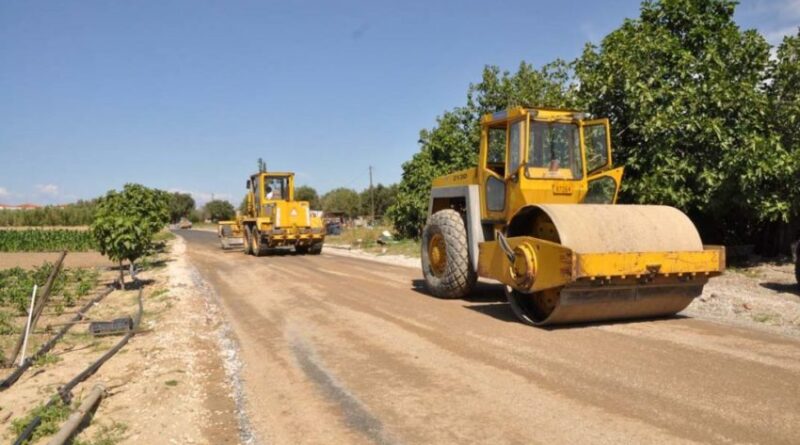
x=121 y=276
x=132 y=270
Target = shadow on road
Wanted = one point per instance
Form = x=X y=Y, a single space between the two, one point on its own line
x=788 y=288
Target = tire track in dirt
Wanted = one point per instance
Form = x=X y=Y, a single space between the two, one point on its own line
x=435 y=371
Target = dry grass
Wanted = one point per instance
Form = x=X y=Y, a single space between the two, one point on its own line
x=366 y=239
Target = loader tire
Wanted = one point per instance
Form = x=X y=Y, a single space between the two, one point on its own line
x=258 y=245
x=445 y=256
x=316 y=249
x=246 y=235
x=301 y=250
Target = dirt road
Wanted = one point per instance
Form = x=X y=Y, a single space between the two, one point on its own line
x=340 y=350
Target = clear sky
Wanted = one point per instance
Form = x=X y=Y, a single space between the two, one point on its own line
x=186 y=95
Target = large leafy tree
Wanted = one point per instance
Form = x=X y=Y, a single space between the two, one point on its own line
x=784 y=117
x=126 y=221
x=381 y=196
x=452 y=144
x=684 y=88
x=341 y=200
x=181 y=205
x=307 y=193
x=219 y=210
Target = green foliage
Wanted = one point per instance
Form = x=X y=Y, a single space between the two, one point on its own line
x=689 y=125
x=77 y=214
x=16 y=285
x=219 y=210
x=38 y=240
x=341 y=200
x=126 y=221
x=6 y=327
x=46 y=360
x=52 y=418
x=453 y=143
x=384 y=197
x=701 y=119
x=181 y=205
x=784 y=97
x=303 y=193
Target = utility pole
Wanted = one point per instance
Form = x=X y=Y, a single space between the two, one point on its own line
x=371 y=197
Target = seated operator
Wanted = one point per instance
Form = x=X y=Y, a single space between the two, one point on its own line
x=269 y=192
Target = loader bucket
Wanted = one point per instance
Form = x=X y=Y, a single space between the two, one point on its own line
x=621 y=262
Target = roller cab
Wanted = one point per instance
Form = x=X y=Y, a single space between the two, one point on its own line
x=538 y=214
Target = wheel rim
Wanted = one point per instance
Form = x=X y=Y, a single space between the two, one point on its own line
x=534 y=308
x=437 y=254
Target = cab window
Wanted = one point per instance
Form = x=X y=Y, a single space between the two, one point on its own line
x=496 y=155
x=514 y=149
x=276 y=187
x=554 y=151
x=594 y=136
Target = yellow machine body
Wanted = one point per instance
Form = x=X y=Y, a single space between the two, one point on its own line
x=540 y=215
x=273 y=218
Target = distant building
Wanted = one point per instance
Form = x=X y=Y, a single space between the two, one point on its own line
x=25 y=206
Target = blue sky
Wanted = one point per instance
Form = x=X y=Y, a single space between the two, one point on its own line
x=186 y=95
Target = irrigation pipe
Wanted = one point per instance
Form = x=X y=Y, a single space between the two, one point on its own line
x=65 y=392
x=14 y=376
x=77 y=418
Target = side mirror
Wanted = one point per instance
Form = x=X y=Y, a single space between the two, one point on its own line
x=248 y=184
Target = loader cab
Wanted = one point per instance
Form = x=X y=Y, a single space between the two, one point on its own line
x=266 y=187
x=543 y=155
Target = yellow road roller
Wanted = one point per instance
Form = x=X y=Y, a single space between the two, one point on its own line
x=538 y=214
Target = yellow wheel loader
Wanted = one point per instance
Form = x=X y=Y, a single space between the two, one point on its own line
x=273 y=219
x=538 y=214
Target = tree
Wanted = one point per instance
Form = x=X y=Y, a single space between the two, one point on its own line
x=219 y=210
x=341 y=200
x=180 y=206
x=688 y=124
x=126 y=221
x=384 y=197
x=453 y=143
x=306 y=193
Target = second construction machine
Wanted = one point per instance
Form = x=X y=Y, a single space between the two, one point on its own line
x=274 y=219
x=538 y=214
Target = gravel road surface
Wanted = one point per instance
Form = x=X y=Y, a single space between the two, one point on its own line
x=343 y=350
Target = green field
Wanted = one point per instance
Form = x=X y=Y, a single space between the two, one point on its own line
x=36 y=240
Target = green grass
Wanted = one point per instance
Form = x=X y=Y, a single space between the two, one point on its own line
x=45 y=360
x=106 y=435
x=164 y=235
x=763 y=317
x=52 y=418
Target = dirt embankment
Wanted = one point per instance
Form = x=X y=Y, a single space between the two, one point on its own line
x=167 y=385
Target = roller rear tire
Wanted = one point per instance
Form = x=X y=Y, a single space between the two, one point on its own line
x=445 y=256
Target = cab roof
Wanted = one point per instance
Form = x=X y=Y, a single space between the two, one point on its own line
x=538 y=112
